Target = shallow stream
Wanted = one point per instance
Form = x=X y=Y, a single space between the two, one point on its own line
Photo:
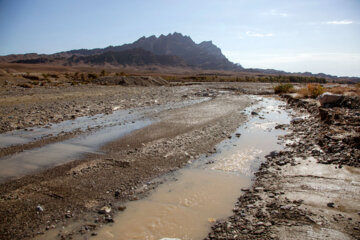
x=207 y=189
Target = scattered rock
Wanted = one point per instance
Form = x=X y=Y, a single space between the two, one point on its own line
x=331 y=204
x=297 y=120
x=121 y=207
x=117 y=193
x=68 y=214
x=104 y=210
x=39 y=208
x=327 y=98
x=108 y=218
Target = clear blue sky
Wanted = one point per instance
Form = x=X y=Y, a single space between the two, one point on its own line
x=308 y=35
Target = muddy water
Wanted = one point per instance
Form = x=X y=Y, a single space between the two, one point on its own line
x=207 y=189
x=55 y=154
x=183 y=209
x=83 y=123
x=110 y=127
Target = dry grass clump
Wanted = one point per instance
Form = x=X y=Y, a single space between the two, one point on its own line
x=284 y=88
x=345 y=90
x=30 y=77
x=311 y=91
x=25 y=85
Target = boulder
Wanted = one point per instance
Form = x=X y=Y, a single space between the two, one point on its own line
x=329 y=98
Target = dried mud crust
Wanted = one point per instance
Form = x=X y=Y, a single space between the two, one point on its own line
x=75 y=192
x=295 y=195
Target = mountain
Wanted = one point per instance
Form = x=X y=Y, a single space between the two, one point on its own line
x=171 y=50
x=204 y=55
x=135 y=56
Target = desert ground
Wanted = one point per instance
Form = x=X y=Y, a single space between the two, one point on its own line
x=75 y=155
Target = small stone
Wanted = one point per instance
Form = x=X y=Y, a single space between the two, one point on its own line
x=68 y=214
x=121 y=207
x=108 y=218
x=105 y=210
x=268 y=224
x=259 y=231
x=297 y=120
x=117 y=193
x=273 y=236
x=39 y=208
x=331 y=204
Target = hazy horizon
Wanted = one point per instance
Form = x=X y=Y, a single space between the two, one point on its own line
x=308 y=36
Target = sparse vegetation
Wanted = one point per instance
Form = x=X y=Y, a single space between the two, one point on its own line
x=92 y=76
x=53 y=75
x=30 y=77
x=247 y=78
x=25 y=85
x=283 y=88
x=315 y=90
x=120 y=74
x=349 y=90
x=311 y=91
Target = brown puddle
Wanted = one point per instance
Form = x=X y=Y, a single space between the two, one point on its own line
x=182 y=209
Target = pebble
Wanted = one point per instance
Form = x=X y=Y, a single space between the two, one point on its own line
x=104 y=210
x=331 y=204
x=39 y=208
x=121 y=207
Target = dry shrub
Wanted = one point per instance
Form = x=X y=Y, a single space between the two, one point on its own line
x=345 y=90
x=25 y=85
x=337 y=90
x=30 y=77
x=311 y=91
x=53 y=75
x=283 y=88
x=315 y=90
x=302 y=92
